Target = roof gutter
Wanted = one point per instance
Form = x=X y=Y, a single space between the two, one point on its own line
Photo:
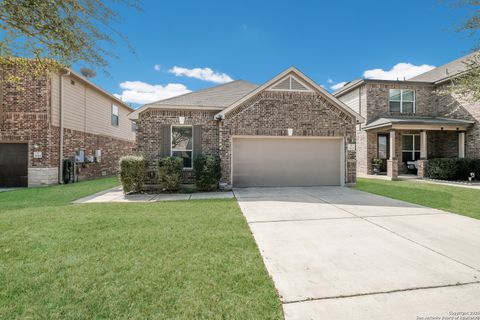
x=60 y=153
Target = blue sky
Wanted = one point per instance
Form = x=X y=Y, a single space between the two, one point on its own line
x=330 y=41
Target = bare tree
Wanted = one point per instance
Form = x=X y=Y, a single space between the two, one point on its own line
x=63 y=31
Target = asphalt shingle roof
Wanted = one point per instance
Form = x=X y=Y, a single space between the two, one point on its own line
x=446 y=71
x=218 y=96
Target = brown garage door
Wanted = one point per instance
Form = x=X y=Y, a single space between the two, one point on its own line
x=282 y=162
x=13 y=165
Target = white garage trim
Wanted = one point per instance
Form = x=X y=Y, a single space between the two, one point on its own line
x=341 y=154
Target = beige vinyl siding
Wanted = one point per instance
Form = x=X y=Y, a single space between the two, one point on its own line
x=352 y=100
x=88 y=110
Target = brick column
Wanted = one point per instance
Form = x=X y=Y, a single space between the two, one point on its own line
x=392 y=163
x=461 y=144
x=392 y=169
x=421 y=168
x=423 y=145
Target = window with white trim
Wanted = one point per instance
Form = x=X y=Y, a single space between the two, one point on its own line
x=114 y=115
x=402 y=100
x=182 y=144
x=410 y=147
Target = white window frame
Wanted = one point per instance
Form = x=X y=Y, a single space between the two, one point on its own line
x=171 y=144
x=412 y=152
x=401 y=100
x=113 y=114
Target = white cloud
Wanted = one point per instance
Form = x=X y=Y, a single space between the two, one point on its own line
x=329 y=81
x=142 y=92
x=157 y=67
x=205 y=74
x=399 y=71
x=338 y=85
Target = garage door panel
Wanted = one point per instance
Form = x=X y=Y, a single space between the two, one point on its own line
x=13 y=165
x=286 y=162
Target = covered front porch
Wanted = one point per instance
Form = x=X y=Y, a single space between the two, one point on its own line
x=404 y=145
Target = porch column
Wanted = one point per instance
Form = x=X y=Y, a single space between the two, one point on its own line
x=422 y=162
x=392 y=145
x=461 y=144
x=392 y=163
x=423 y=145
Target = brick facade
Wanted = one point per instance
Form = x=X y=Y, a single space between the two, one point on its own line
x=111 y=151
x=460 y=108
x=377 y=100
x=266 y=114
x=149 y=136
x=271 y=113
x=26 y=117
x=431 y=101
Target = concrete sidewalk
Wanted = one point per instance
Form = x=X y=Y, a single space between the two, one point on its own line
x=116 y=195
x=339 y=253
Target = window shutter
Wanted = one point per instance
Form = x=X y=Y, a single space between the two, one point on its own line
x=197 y=140
x=166 y=140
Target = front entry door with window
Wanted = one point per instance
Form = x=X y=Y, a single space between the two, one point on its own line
x=410 y=147
x=383 y=150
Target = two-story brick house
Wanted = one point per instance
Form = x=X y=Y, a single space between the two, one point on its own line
x=408 y=122
x=55 y=116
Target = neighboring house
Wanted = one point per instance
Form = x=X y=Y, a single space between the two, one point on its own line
x=408 y=122
x=96 y=129
x=287 y=132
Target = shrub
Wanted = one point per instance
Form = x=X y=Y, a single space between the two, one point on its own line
x=207 y=172
x=170 y=173
x=452 y=168
x=132 y=173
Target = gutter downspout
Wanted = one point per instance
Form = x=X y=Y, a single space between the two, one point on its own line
x=60 y=165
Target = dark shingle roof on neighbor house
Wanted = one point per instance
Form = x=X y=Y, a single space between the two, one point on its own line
x=216 y=98
x=433 y=76
x=446 y=71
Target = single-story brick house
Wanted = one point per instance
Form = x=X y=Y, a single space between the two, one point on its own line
x=56 y=116
x=286 y=132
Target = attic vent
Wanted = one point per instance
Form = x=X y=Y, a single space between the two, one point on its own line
x=283 y=85
x=290 y=83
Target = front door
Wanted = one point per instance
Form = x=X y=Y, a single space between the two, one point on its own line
x=383 y=149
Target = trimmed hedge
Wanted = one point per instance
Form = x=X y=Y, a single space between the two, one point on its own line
x=453 y=168
x=207 y=172
x=132 y=173
x=170 y=173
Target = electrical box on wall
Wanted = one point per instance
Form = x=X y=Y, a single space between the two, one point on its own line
x=80 y=156
x=98 y=155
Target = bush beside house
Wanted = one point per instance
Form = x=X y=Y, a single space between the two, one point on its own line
x=132 y=173
x=207 y=172
x=170 y=173
x=453 y=168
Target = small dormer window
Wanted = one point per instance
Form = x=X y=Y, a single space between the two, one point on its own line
x=402 y=100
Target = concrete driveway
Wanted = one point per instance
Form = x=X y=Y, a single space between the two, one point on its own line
x=338 y=253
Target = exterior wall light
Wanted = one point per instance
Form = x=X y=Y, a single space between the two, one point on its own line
x=181 y=120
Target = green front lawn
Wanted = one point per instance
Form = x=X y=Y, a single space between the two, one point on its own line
x=181 y=260
x=453 y=199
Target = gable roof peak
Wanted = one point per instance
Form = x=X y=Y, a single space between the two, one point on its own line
x=302 y=77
